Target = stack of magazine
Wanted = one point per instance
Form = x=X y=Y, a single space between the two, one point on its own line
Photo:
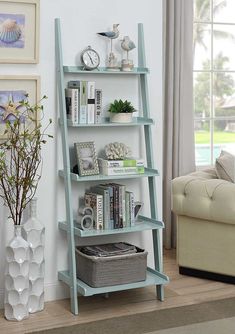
x=121 y=167
x=114 y=249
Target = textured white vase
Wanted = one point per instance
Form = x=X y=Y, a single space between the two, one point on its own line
x=17 y=278
x=122 y=117
x=33 y=232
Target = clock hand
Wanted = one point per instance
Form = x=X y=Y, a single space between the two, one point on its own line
x=90 y=59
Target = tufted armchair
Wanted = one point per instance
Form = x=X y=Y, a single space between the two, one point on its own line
x=205 y=209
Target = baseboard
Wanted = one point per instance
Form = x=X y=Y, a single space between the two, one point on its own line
x=53 y=291
x=206 y=275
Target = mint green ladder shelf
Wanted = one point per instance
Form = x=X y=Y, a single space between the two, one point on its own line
x=154 y=276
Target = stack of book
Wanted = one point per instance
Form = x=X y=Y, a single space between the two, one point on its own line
x=121 y=167
x=83 y=102
x=113 y=206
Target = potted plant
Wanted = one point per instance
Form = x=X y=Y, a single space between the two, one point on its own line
x=121 y=111
x=20 y=172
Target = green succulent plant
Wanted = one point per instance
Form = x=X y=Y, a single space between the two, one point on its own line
x=121 y=107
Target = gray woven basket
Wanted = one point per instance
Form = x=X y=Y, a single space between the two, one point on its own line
x=113 y=270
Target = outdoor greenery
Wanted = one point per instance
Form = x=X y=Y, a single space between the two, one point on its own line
x=20 y=158
x=121 y=107
x=219 y=137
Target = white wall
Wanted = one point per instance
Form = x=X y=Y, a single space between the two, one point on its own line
x=80 y=21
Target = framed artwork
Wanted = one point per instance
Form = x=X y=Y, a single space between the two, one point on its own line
x=19 y=31
x=86 y=158
x=12 y=90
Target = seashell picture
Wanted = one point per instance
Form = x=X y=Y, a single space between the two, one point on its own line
x=12 y=30
x=10 y=108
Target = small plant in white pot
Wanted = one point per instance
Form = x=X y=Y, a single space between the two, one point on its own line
x=20 y=172
x=121 y=111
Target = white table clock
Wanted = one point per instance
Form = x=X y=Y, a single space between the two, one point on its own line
x=90 y=59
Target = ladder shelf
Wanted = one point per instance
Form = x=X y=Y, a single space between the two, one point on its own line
x=154 y=276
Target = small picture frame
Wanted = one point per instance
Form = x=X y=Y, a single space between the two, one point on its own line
x=86 y=158
x=137 y=209
x=19 y=31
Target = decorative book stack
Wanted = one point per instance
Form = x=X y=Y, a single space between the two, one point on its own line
x=113 y=206
x=83 y=102
x=121 y=167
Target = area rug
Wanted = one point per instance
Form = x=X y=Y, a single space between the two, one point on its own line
x=173 y=320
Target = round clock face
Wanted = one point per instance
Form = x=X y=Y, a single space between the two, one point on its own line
x=90 y=59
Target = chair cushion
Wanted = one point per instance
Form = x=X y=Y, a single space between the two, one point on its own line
x=225 y=166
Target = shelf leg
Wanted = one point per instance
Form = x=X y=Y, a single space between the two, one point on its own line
x=158 y=261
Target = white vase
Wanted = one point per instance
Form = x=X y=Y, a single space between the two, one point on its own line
x=17 y=278
x=33 y=232
x=122 y=117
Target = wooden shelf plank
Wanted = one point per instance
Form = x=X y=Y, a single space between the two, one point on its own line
x=103 y=70
x=153 y=278
x=143 y=224
x=137 y=121
x=148 y=172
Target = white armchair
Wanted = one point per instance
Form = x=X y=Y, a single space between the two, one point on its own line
x=205 y=209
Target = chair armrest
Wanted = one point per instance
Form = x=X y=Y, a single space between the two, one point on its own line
x=204 y=197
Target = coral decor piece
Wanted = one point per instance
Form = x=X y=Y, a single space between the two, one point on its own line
x=117 y=151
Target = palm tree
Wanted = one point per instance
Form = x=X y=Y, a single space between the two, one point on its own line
x=202 y=14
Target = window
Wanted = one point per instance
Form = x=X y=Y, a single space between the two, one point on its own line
x=214 y=79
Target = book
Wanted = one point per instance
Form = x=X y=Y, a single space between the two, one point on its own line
x=72 y=104
x=121 y=170
x=116 y=222
x=95 y=201
x=104 y=191
x=82 y=86
x=90 y=102
x=98 y=105
x=128 y=219
x=130 y=208
x=131 y=162
x=110 y=189
x=121 y=204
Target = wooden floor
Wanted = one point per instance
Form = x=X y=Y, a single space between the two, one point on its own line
x=182 y=290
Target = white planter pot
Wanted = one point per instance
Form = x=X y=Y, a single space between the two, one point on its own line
x=121 y=117
x=17 y=278
x=33 y=232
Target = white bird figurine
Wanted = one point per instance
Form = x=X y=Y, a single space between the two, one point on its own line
x=127 y=44
x=111 y=34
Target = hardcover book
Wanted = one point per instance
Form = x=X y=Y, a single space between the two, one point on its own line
x=104 y=191
x=130 y=208
x=121 y=170
x=82 y=86
x=98 y=105
x=121 y=204
x=72 y=104
x=90 y=102
x=95 y=201
x=131 y=162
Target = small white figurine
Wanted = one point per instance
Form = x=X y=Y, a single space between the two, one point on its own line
x=112 y=59
x=127 y=45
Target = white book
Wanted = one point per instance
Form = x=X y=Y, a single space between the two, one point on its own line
x=121 y=170
x=90 y=102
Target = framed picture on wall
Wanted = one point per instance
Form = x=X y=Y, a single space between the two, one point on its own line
x=19 y=31
x=14 y=89
x=86 y=158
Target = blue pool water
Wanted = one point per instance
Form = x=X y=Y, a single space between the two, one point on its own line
x=203 y=153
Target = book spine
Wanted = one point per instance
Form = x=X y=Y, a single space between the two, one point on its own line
x=95 y=201
x=121 y=163
x=120 y=206
x=128 y=221
x=98 y=105
x=121 y=170
x=111 y=225
x=83 y=103
x=106 y=204
x=132 y=209
x=116 y=206
x=90 y=102
x=71 y=100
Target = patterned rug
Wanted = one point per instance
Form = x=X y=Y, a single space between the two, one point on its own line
x=217 y=317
